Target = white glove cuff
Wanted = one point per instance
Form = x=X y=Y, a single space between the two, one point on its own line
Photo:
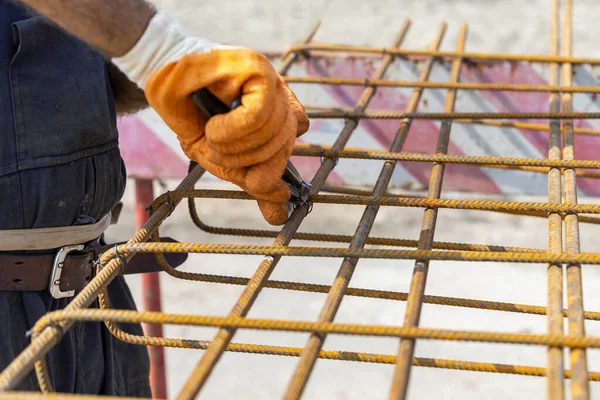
x=163 y=42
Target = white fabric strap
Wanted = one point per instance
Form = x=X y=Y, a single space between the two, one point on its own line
x=51 y=238
x=163 y=42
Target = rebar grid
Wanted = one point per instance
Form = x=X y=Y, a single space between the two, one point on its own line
x=562 y=205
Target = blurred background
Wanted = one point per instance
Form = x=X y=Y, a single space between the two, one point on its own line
x=513 y=26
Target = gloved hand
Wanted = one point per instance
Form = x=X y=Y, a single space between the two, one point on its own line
x=250 y=145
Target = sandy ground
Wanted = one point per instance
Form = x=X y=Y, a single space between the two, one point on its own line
x=503 y=26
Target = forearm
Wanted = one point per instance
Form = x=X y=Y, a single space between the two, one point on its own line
x=111 y=26
x=129 y=98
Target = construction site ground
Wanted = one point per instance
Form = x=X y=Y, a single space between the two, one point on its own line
x=515 y=26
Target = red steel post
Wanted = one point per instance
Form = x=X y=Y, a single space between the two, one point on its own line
x=144 y=196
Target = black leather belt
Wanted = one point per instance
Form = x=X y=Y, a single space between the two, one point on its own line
x=70 y=268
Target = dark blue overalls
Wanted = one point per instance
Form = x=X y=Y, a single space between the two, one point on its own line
x=59 y=166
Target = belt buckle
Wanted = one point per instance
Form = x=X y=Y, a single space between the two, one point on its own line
x=57 y=268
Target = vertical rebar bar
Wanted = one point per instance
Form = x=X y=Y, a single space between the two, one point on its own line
x=338 y=288
x=579 y=383
x=416 y=294
x=266 y=267
x=555 y=358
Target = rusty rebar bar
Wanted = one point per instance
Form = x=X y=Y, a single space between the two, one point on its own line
x=579 y=383
x=348 y=113
x=524 y=125
x=555 y=388
x=445 y=55
x=323 y=328
x=537 y=257
x=442 y=85
x=306 y=363
x=484 y=161
x=389 y=201
x=480 y=121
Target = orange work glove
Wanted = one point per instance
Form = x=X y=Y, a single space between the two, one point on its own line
x=250 y=145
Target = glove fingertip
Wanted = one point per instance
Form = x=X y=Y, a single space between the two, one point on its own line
x=274 y=213
x=303 y=123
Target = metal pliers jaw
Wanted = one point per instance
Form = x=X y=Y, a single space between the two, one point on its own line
x=210 y=105
x=300 y=189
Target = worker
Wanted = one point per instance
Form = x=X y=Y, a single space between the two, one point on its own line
x=67 y=69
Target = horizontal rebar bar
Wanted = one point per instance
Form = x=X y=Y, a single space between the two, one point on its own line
x=336 y=252
x=483 y=205
x=442 y=85
x=348 y=113
x=446 y=55
x=126 y=316
x=309 y=150
x=479 y=121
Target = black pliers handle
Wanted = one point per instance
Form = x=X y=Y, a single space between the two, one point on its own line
x=210 y=105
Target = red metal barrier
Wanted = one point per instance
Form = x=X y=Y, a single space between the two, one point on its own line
x=144 y=195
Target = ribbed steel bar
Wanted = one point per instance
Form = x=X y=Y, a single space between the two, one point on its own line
x=323 y=328
x=343 y=252
x=310 y=150
x=334 y=298
x=524 y=125
x=579 y=383
x=364 y=192
x=555 y=387
x=483 y=205
x=446 y=55
x=348 y=113
x=482 y=121
x=543 y=170
x=443 y=85
x=260 y=277
x=414 y=303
